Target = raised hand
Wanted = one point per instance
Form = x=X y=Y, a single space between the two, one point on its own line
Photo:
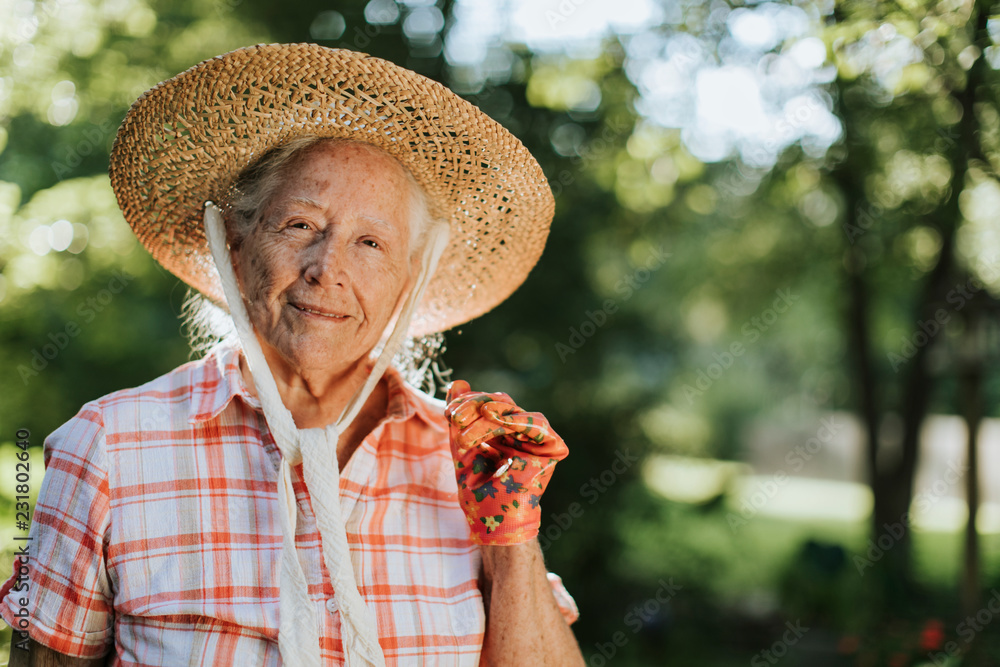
x=504 y=459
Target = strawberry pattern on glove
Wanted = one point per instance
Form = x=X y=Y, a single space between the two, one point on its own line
x=504 y=459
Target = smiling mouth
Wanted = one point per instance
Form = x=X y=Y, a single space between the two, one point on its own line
x=313 y=311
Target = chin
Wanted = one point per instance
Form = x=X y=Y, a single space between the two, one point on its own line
x=308 y=352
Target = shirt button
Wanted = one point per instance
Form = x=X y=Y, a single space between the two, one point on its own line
x=331 y=605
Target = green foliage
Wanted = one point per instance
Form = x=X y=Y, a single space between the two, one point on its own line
x=656 y=266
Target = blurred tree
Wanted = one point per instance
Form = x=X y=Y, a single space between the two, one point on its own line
x=881 y=238
x=946 y=94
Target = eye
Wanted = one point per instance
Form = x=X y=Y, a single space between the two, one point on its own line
x=298 y=224
x=372 y=243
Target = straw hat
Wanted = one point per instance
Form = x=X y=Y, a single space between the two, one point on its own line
x=187 y=139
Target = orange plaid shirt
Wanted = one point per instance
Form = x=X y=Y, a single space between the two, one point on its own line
x=157 y=528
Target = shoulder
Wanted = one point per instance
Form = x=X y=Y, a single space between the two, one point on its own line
x=426 y=407
x=415 y=448
x=166 y=402
x=177 y=393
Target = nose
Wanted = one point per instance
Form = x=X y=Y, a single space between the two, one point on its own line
x=325 y=262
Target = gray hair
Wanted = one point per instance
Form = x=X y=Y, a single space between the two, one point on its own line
x=206 y=324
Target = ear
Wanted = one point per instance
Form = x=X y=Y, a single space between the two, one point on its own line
x=235 y=248
x=236 y=257
x=231 y=238
x=416 y=260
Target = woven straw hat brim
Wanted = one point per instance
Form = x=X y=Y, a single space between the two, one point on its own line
x=187 y=139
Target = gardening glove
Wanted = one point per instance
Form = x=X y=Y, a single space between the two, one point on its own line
x=504 y=459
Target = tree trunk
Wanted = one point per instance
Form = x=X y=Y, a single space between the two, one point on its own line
x=971 y=388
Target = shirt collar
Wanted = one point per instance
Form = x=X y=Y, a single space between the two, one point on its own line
x=223 y=381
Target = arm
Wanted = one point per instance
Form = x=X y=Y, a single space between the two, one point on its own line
x=38 y=655
x=503 y=461
x=523 y=623
x=71 y=604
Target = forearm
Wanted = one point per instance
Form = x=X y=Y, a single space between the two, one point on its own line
x=524 y=625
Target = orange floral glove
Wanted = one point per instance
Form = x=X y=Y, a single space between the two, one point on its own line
x=503 y=461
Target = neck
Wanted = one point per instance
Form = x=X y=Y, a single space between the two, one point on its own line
x=317 y=397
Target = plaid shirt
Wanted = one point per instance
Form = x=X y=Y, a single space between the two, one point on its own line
x=157 y=528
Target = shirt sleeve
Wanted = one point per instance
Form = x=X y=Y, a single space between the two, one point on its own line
x=68 y=600
x=567 y=605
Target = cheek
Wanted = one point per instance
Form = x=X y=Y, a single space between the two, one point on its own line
x=383 y=283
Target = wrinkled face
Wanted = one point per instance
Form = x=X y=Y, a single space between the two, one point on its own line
x=326 y=267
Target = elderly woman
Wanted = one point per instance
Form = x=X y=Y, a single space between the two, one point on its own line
x=289 y=498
